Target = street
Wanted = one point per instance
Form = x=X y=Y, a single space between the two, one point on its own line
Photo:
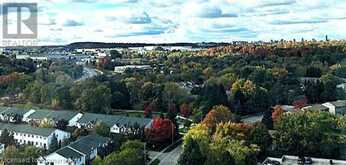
x=168 y=158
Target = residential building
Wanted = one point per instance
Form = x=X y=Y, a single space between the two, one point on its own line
x=122 y=69
x=336 y=107
x=54 y=116
x=80 y=152
x=36 y=136
x=13 y=115
x=117 y=124
x=290 y=160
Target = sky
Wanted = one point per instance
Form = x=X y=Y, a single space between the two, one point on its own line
x=168 y=21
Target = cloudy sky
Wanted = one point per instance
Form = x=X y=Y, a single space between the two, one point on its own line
x=66 y=21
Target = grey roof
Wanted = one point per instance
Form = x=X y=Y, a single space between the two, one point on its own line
x=339 y=103
x=53 y=114
x=13 y=110
x=290 y=160
x=68 y=153
x=24 y=128
x=317 y=107
x=111 y=120
x=142 y=122
x=88 y=143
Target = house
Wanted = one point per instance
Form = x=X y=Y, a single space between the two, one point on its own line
x=14 y=115
x=289 y=160
x=341 y=86
x=89 y=120
x=336 y=107
x=122 y=69
x=131 y=125
x=54 y=116
x=2 y=148
x=38 y=137
x=80 y=152
x=118 y=124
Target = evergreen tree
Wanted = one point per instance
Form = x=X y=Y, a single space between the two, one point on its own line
x=7 y=138
x=192 y=154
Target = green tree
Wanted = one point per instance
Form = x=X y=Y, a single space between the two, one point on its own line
x=260 y=136
x=7 y=138
x=307 y=133
x=192 y=154
x=95 y=99
x=102 y=129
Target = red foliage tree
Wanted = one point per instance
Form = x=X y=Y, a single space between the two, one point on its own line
x=161 y=130
x=298 y=104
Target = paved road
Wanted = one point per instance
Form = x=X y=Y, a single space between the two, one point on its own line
x=168 y=158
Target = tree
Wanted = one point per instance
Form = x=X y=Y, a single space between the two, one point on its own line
x=217 y=115
x=185 y=110
x=329 y=87
x=213 y=93
x=220 y=157
x=102 y=129
x=95 y=99
x=98 y=161
x=62 y=124
x=267 y=119
x=7 y=138
x=192 y=154
x=131 y=152
x=162 y=130
x=277 y=113
x=307 y=133
x=115 y=54
x=10 y=155
x=260 y=136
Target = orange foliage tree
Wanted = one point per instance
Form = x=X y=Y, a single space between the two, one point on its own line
x=217 y=115
x=277 y=113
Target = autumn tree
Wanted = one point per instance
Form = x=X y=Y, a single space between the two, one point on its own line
x=217 y=115
x=277 y=113
x=162 y=130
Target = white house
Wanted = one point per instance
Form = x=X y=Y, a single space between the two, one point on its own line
x=38 y=137
x=80 y=152
x=63 y=156
x=336 y=107
x=13 y=115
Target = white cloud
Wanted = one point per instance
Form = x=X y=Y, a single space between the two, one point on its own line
x=64 y=21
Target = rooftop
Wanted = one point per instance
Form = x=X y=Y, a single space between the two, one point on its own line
x=53 y=114
x=13 y=110
x=69 y=153
x=111 y=120
x=316 y=107
x=339 y=103
x=24 y=128
x=291 y=160
x=88 y=143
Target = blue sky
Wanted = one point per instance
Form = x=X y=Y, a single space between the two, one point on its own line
x=65 y=21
